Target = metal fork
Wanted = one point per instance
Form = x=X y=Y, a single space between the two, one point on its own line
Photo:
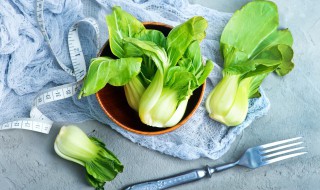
x=253 y=158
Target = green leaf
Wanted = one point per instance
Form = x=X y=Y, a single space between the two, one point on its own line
x=102 y=169
x=240 y=68
x=184 y=82
x=277 y=37
x=148 y=70
x=276 y=57
x=287 y=65
x=154 y=36
x=98 y=185
x=205 y=72
x=192 y=61
x=180 y=37
x=150 y=49
x=268 y=57
x=148 y=67
x=180 y=80
x=106 y=160
x=103 y=70
x=262 y=69
x=255 y=84
x=247 y=28
x=232 y=55
x=194 y=54
x=187 y=64
x=121 y=25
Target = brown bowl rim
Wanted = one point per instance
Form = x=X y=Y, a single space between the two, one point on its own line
x=165 y=130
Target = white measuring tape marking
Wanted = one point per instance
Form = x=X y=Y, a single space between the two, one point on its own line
x=38 y=121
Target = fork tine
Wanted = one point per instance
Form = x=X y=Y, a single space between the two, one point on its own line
x=279 y=148
x=283 y=158
x=278 y=142
x=281 y=152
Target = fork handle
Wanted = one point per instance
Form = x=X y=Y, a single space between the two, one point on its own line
x=179 y=179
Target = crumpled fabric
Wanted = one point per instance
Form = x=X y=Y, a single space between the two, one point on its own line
x=27 y=66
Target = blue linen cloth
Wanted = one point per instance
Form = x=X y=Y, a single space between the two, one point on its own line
x=28 y=66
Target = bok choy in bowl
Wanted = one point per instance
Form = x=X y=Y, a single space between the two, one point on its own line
x=161 y=69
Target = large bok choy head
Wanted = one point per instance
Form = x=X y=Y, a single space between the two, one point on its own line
x=101 y=164
x=180 y=72
x=252 y=47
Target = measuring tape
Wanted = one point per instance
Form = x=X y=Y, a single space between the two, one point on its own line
x=38 y=121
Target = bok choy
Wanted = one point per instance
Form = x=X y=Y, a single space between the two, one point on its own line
x=101 y=165
x=123 y=25
x=252 y=47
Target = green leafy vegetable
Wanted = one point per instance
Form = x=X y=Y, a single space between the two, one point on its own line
x=252 y=47
x=121 y=25
x=150 y=49
x=101 y=164
x=105 y=70
x=183 y=35
x=154 y=36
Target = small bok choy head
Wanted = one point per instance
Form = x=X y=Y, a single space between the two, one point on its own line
x=74 y=145
x=179 y=72
x=252 y=47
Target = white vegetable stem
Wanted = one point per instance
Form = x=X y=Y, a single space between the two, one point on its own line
x=228 y=102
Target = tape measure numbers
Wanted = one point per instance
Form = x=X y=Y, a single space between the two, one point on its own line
x=38 y=121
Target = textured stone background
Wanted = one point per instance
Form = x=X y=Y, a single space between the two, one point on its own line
x=28 y=161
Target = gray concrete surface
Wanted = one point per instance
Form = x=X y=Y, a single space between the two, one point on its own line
x=28 y=161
